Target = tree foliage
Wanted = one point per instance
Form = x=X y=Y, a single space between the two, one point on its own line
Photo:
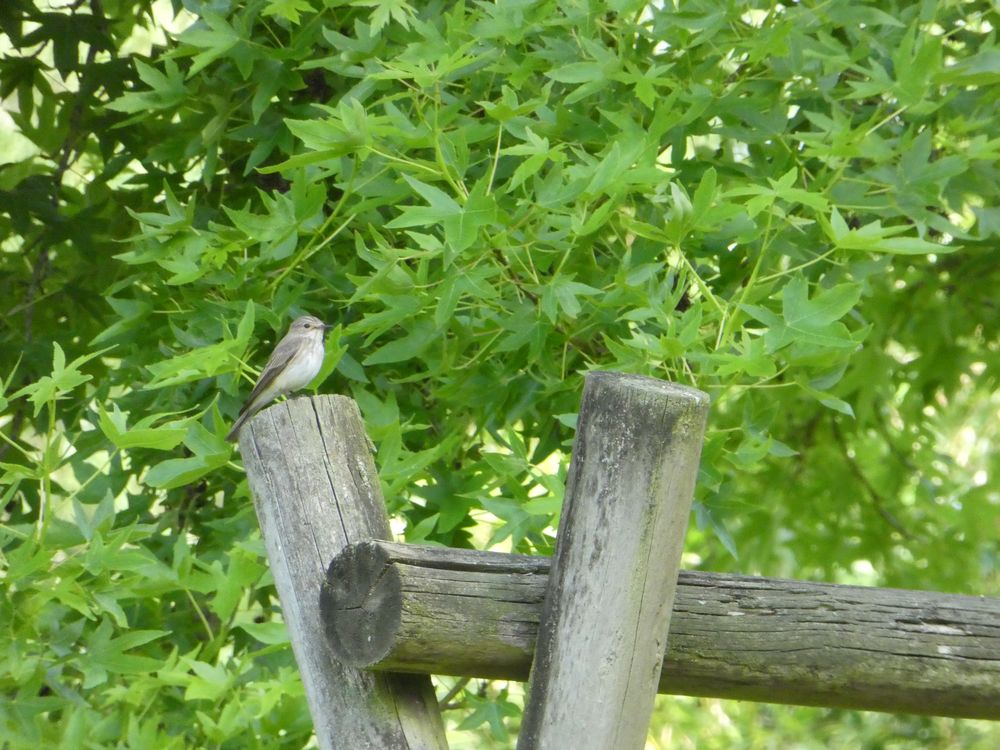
x=792 y=207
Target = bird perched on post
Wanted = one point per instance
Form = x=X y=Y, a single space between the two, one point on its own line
x=293 y=364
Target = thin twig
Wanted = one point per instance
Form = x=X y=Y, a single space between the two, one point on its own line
x=877 y=500
x=457 y=688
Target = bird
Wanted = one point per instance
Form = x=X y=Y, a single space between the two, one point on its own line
x=292 y=366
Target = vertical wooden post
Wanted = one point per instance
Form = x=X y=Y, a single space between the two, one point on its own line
x=316 y=491
x=607 y=609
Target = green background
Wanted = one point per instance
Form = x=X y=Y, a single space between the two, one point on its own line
x=792 y=207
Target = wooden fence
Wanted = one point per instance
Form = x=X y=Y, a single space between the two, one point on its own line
x=370 y=619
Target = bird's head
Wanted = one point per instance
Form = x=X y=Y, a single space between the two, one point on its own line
x=309 y=324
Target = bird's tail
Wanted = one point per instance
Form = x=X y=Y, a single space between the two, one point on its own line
x=234 y=433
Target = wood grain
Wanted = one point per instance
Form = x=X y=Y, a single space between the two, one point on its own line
x=603 y=629
x=475 y=614
x=316 y=491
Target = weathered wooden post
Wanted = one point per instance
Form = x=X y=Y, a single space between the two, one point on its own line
x=604 y=624
x=316 y=491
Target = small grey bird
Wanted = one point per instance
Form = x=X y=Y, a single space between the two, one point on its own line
x=294 y=363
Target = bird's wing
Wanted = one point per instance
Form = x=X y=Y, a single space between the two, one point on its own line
x=280 y=357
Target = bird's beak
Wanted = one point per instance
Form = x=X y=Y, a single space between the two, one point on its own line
x=328 y=326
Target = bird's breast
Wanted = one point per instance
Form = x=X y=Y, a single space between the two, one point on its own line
x=303 y=367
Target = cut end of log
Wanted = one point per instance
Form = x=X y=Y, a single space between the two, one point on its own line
x=361 y=605
x=627 y=381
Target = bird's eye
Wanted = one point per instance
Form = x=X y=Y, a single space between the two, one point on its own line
x=306 y=325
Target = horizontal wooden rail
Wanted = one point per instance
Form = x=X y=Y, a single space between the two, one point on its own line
x=407 y=608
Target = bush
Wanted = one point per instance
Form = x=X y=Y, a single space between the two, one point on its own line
x=790 y=207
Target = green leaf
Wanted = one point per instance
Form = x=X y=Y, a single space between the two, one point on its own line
x=577 y=72
x=115 y=428
x=210 y=682
x=704 y=195
x=489 y=712
x=64 y=378
x=828 y=305
x=422 y=530
x=543 y=506
x=461 y=223
x=328 y=138
x=914 y=246
x=837 y=404
x=244 y=570
x=210 y=451
x=401 y=349
x=566 y=292
x=206 y=361
x=809 y=321
x=215 y=37
x=167 y=90
x=873 y=237
x=107 y=653
x=386 y=10
x=290 y=10
x=271 y=633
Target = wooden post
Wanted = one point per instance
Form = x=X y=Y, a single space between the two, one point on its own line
x=316 y=491
x=604 y=624
x=434 y=610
